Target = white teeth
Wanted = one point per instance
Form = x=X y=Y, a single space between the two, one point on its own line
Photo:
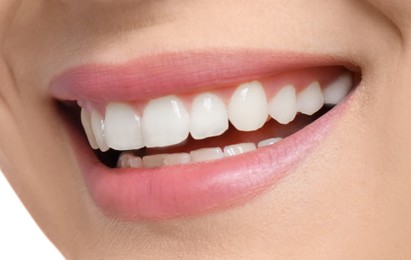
x=337 y=90
x=86 y=121
x=283 y=106
x=248 y=108
x=208 y=116
x=206 y=154
x=237 y=149
x=97 y=124
x=123 y=127
x=154 y=161
x=310 y=100
x=165 y=122
x=177 y=158
x=269 y=142
x=129 y=160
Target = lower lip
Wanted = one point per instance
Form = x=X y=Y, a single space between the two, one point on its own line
x=201 y=188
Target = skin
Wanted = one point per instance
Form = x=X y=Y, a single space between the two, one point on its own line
x=348 y=200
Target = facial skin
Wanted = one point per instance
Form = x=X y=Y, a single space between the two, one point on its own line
x=348 y=200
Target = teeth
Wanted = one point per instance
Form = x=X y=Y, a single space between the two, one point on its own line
x=237 y=149
x=154 y=161
x=97 y=124
x=283 y=106
x=269 y=142
x=248 y=109
x=177 y=158
x=129 y=160
x=208 y=116
x=206 y=154
x=86 y=121
x=338 y=89
x=165 y=122
x=123 y=127
x=310 y=100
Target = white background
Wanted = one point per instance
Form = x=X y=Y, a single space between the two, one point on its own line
x=20 y=237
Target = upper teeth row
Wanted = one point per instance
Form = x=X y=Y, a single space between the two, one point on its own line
x=166 y=121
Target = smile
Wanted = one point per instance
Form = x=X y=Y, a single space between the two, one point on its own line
x=176 y=135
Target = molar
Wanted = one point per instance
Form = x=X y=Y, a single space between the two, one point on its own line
x=208 y=116
x=165 y=122
x=248 y=108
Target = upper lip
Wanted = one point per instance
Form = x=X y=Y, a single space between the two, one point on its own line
x=174 y=72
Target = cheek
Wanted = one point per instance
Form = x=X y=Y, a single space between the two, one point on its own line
x=394 y=115
x=396 y=10
x=39 y=163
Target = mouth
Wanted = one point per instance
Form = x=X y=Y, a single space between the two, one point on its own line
x=178 y=135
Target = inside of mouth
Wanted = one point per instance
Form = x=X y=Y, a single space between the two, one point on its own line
x=232 y=141
x=271 y=130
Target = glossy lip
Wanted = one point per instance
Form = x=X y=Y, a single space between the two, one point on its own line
x=199 y=188
x=169 y=73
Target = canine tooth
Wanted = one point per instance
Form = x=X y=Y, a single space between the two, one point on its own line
x=86 y=122
x=236 y=149
x=208 y=116
x=311 y=99
x=338 y=89
x=165 y=122
x=206 y=154
x=97 y=124
x=123 y=127
x=129 y=160
x=248 y=108
x=283 y=106
x=269 y=142
x=154 y=161
x=177 y=158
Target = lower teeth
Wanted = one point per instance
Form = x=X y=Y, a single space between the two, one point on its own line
x=130 y=160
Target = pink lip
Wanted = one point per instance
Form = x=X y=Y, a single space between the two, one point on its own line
x=192 y=189
x=170 y=73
